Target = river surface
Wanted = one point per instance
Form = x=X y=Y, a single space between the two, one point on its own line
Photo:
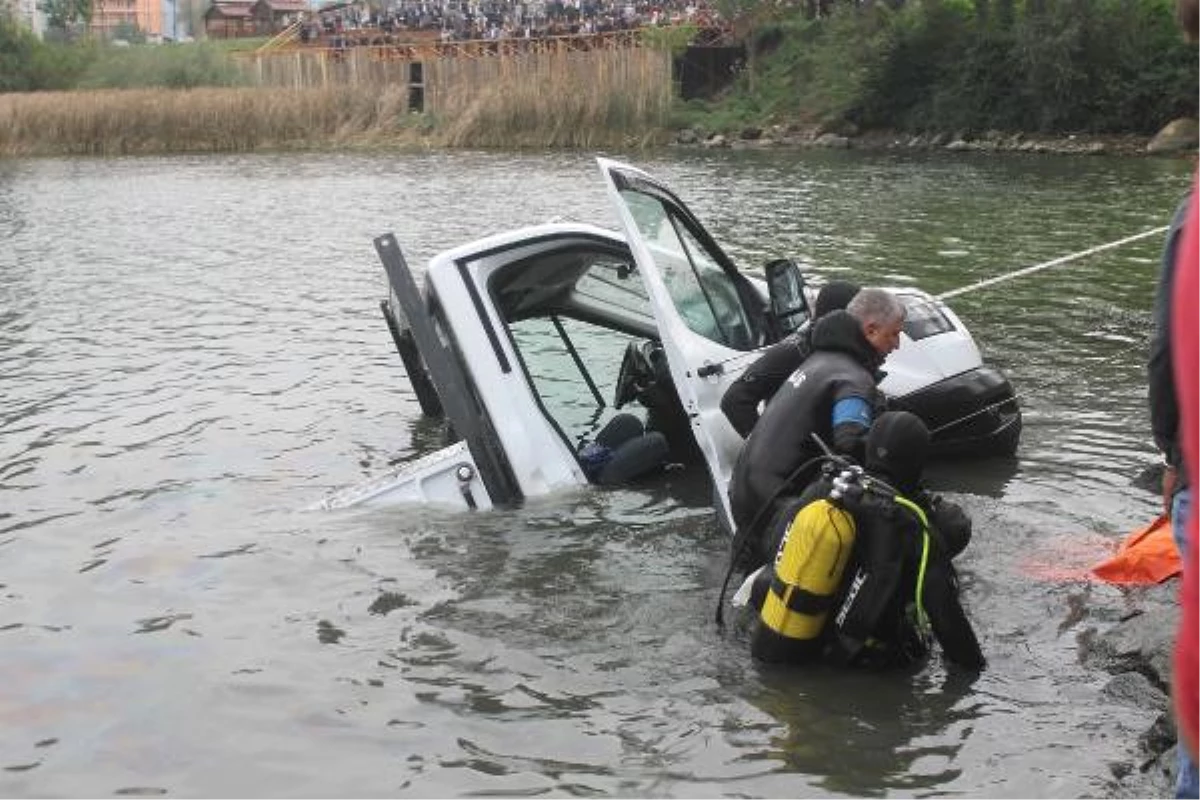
x=191 y=353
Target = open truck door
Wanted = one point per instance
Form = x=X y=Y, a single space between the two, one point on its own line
x=711 y=320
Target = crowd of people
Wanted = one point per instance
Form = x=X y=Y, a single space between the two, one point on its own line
x=357 y=24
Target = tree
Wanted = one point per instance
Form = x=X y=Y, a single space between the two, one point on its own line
x=62 y=14
x=747 y=18
x=17 y=46
x=129 y=32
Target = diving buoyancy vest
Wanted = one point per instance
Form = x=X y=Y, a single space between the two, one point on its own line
x=807 y=574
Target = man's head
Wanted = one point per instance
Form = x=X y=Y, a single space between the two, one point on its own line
x=1188 y=14
x=834 y=296
x=880 y=314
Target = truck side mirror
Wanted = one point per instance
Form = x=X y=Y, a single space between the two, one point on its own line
x=785 y=288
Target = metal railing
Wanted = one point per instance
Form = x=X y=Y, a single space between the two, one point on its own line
x=285 y=37
x=483 y=48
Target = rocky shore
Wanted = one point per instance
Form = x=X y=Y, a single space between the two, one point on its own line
x=1134 y=643
x=1180 y=136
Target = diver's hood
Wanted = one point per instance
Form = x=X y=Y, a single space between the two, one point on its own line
x=897 y=448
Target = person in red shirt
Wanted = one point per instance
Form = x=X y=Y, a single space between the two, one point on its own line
x=1186 y=343
x=1185 y=361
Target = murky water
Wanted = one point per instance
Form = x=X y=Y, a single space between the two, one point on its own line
x=191 y=352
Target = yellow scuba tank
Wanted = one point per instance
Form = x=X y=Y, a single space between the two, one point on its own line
x=808 y=571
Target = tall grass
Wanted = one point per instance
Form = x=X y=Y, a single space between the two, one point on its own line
x=167 y=66
x=566 y=99
x=143 y=121
x=616 y=97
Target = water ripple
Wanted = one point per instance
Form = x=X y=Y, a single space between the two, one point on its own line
x=203 y=355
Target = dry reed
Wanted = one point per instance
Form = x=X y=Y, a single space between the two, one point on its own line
x=140 y=121
x=566 y=99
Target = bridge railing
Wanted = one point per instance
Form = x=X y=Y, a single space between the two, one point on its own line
x=486 y=48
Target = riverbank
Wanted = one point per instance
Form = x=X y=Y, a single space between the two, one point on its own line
x=1133 y=642
x=215 y=120
x=1178 y=137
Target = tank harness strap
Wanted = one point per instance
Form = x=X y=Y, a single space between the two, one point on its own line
x=922 y=617
x=800 y=600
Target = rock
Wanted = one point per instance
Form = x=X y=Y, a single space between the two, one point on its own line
x=1161 y=736
x=1140 y=643
x=1178 y=135
x=751 y=134
x=958 y=144
x=1135 y=689
x=832 y=140
x=751 y=144
x=716 y=140
x=687 y=136
x=838 y=127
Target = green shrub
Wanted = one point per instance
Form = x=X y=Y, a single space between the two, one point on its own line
x=1100 y=66
x=29 y=64
x=168 y=66
x=17 y=47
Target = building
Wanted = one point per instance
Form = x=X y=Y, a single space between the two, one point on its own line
x=178 y=17
x=27 y=13
x=229 y=19
x=144 y=15
x=272 y=16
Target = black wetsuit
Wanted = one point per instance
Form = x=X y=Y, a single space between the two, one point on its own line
x=763 y=378
x=874 y=620
x=834 y=395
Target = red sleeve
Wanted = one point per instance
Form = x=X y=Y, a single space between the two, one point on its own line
x=1185 y=333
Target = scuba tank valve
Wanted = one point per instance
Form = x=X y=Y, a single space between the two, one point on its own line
x=847 y=483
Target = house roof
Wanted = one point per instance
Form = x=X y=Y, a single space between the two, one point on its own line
x=229 y=9
x=283 y=6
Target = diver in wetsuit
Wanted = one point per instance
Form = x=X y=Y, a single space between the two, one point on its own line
x=897 y=586
x=904 y=546
x=833 y=395
x=763 y=378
